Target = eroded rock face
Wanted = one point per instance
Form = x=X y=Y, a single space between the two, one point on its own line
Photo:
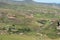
x=58 y=27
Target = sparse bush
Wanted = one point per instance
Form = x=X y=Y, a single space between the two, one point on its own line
x=42 y=21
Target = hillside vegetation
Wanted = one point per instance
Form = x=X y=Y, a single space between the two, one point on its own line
x=28 y=22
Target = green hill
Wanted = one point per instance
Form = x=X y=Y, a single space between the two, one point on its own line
x=28 y=22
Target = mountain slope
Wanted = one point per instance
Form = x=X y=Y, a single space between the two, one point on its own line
x=26 y=21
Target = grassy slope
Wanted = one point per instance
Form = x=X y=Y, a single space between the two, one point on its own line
x=14 y=9
x=25 y=37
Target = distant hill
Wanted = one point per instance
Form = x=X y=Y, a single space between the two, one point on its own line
x=29 y=1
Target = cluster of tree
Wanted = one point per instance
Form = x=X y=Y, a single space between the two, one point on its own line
x=13 y=30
